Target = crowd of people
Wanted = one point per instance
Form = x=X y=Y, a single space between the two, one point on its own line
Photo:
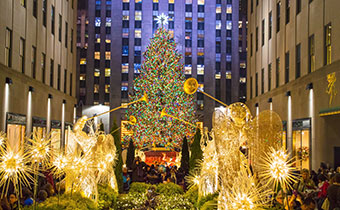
x=45 y=189
x=152 y=174
x=313 y=190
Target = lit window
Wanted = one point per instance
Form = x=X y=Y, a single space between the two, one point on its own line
x=201 y=87
x=96 y=88
x=138 y=1
x=155 y=1
x=108 y=40
x=200 y=51
x=107 y=88
x=200 y=104
x=200 y=2
x=98 y=40
x=138 y=15
x=82 y=77
x=188 y=1
x=126 y=14
x=228 y=58
x=229 y=25
x=125 y=32
x=107 y=55
x=107 y=103
x=82 y=61
x=124 y=104
x=218 y=9
x=97 y=55
x=126 y=1
x=107 y=72
x=96 y=72
x=200 y=69
x=187 y=69
x=124 y=88
x=229 y=9
x=97 y=22
x=228 y=74
x=138 y=33
x=96 y=103
x=125 y=68
x=218 y=75
x=239 y=24
x=218 y=24
x=108 y=22
x=171 y=32
x=137 y=67
x=242 y=65
x=171 y=1
x=243 y=80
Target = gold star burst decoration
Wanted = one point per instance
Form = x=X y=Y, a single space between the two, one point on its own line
x=14 y=168
x=278 y=169
x=40 y=150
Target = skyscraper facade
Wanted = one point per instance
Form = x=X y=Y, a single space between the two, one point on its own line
x=118 y=32
x=37 y=67
x=293 y=64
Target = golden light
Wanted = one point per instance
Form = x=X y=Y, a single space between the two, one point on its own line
x=277 y=169
x=39 y=149
x=14 y=169
x=243 y=202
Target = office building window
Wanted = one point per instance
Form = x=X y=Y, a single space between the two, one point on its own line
x=298 y=61
x=71 y=41
x=65 y=80
x=44 y=11
x=107 y=72
x=71 y=84
x=66 y=34
x=60 y=26
x=287 y=11
x=22 y=54
x=298 y=6
x=269 y=77
x=8 y=48
x=328 y=44
x=52 y=19
x=35 y=8
x=251 y=44
x=277 y=72
x=263 y=22
x=96 y=72
x=58 y=77
x=96 y=88
x=287 y=67
x=262 y=81
x=23 y=3
x=107 y=88
x=256 y=84
x=278 y=16
x=311 y=54
x=52 y=73
x=270 y=25
x=34 y=61
x=257 y=39
x=43 y=67
x=251 y=84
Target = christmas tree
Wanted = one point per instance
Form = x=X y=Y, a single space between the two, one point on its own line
x=161 y=78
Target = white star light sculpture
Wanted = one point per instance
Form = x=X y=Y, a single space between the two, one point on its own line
x=162 y=19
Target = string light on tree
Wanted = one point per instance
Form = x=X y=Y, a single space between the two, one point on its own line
x=162 y=79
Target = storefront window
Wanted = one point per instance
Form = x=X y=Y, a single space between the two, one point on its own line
x=16 y=136
x=55 y=135
x=301 y=143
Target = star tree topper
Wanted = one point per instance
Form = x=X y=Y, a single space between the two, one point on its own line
x=162 y=19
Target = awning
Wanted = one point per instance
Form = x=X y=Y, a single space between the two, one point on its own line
x=329 y=111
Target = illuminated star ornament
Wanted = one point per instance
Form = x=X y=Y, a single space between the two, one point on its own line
x=162 y=19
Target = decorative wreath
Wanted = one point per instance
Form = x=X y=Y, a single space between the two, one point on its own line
x=303 y=153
